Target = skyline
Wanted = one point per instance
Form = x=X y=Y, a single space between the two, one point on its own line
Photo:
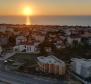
x=47 y=7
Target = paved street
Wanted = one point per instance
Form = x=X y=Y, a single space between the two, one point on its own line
x=6 y=56
x=15 y=78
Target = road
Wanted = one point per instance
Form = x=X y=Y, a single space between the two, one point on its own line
x=79 y=78
x=15 y=78
x=6 y=56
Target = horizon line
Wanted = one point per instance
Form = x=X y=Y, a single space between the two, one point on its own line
x=43 y=15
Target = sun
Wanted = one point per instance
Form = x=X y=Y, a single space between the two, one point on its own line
x=27 y=11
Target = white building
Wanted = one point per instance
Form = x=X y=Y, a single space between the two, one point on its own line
x=70 y=40
x=19 y=48
x=81 y=67
x=26 y=48
x=89 y=41
x=51 y=64
x=20 y=39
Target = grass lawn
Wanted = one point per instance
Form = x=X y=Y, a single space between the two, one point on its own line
x=28 y=58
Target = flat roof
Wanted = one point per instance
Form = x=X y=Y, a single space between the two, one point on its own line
x=50 y=60
x=85 y=62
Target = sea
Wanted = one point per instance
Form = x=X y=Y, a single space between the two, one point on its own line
x=48 y=20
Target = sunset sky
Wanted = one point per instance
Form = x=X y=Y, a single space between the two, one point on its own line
x=46 y=7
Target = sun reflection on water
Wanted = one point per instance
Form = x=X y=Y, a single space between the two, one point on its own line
x=28 y=20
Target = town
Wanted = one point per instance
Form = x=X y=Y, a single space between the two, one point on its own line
x=50 y=54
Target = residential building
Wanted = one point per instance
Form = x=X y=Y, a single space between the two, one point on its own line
x=20 y=39
x=51 y=64
x=27 y=48
x=82 y=67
